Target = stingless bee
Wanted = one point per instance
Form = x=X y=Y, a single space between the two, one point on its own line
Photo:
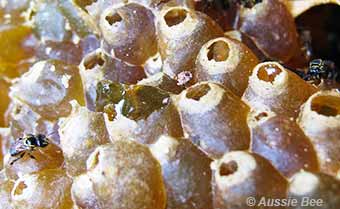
x=322 y=69
x=26 y=145
x=319 y=70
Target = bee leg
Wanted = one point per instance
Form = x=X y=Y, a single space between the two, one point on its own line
x=31 y=156
x=306 y=77
x=21 y=156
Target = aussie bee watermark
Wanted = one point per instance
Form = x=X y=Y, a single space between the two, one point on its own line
x=285 y=202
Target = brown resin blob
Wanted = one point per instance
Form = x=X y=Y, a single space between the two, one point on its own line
x=123 y=174
x=280 y=140
x=225 y=61
x=320 y=120
x=275 y=89
x=271 y=26
x=297 y=7
x=80 y=134
x=45 y=189
x=182 y=32
x=213 y=118
x=186 y=172
x=315 y=186
x=239 y=175
x=129 y=32
x=48 y=87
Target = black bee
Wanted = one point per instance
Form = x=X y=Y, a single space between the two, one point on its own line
x=26 y=145
x=321 y=69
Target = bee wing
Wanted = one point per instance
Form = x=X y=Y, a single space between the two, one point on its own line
x=17 y=147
